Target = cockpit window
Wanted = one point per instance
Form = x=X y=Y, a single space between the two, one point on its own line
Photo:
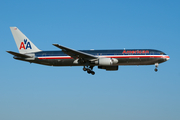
x=162 y=53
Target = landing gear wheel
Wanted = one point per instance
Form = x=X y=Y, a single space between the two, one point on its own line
x=92 y=72
x=156 y=66
x=84 y=69
x=89 y=69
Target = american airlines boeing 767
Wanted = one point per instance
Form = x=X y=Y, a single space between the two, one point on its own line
x=104 y=59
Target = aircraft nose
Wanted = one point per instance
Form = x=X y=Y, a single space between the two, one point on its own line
x=167 y=58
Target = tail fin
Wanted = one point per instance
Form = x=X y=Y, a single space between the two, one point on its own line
x=24 y=45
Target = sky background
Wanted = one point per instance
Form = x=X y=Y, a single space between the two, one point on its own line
x=37 y=92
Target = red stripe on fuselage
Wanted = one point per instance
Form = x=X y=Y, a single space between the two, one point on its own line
x=125 y=56
x=55 y=57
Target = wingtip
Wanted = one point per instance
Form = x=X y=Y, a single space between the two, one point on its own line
x=8 y=51
x=55 y=44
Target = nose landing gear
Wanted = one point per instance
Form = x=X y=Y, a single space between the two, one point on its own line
x=156 y=66
x=89 y=69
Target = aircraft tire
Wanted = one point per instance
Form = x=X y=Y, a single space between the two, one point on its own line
x=88 y=71
x=84 y=69
x=92 y=72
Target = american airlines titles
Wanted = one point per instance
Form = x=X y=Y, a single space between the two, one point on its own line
x=135 y=52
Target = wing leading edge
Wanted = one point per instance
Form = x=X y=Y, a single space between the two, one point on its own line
x=75 y=53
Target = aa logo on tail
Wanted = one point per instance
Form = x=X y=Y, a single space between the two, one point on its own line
x=25 y=45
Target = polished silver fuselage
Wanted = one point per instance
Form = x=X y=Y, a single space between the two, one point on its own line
x=124 y=57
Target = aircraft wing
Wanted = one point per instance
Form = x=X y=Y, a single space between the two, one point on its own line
x=75 y=53
x=19 y=54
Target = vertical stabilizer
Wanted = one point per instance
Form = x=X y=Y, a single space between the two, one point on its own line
x=24 y=45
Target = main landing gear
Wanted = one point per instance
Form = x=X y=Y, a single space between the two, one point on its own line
x=89 y=69
x=156 y=66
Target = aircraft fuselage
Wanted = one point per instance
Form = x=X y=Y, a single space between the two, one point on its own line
x=124 y=57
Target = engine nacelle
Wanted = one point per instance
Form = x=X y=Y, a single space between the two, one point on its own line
x=107 y=61
x=108 y=68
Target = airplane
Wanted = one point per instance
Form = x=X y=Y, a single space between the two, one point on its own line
x=103 y=59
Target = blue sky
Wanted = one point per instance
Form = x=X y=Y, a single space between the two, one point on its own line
x=31 y=91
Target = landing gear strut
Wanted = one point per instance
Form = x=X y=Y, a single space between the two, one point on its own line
x=89 y=69
x=156 y=66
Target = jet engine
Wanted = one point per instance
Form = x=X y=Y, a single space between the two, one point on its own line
x=108 y=68
x=106 y=61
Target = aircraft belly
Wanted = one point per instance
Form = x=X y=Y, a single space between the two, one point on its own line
x=139 y=61
x=56 y=62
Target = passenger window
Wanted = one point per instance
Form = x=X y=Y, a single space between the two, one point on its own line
x=152 y=53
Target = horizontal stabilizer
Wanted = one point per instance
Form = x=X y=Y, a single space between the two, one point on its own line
x=19 y=54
